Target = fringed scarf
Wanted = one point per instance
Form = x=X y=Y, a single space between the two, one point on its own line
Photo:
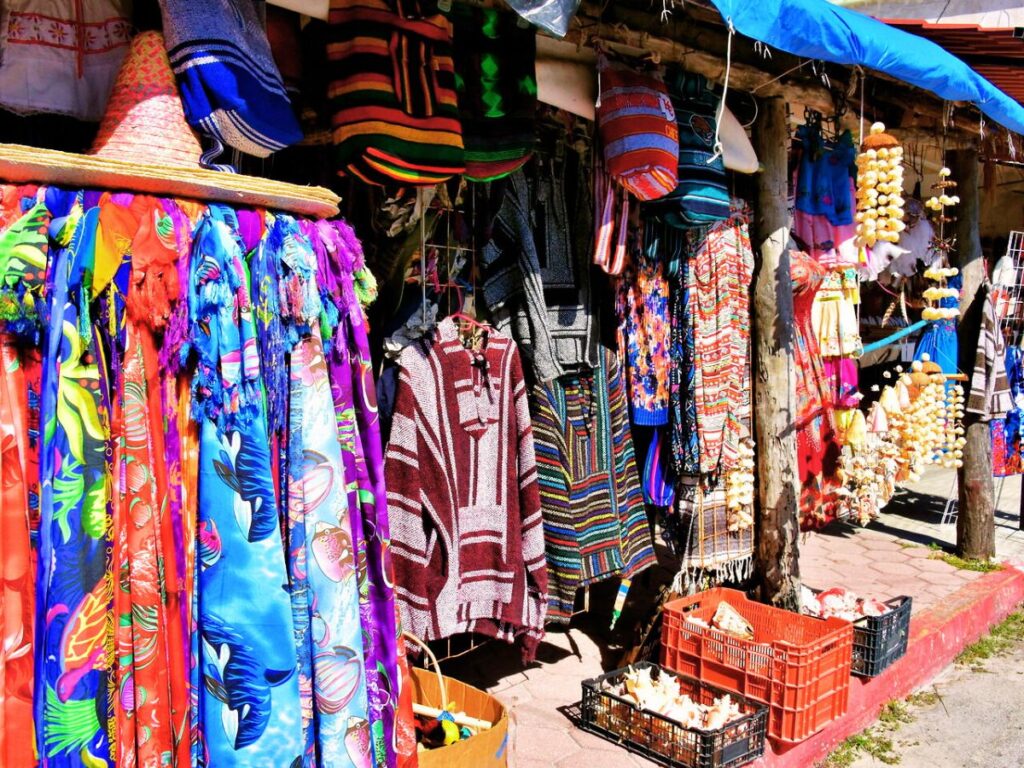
x=74 y=693
x=248 y=704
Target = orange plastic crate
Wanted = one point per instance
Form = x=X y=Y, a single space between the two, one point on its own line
x=798 y=665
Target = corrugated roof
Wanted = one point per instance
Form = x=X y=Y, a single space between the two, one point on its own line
x=995 y=53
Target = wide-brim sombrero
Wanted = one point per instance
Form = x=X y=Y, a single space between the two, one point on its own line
x=145 y=145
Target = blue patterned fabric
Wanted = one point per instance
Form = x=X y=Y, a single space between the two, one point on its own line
x=248 y=700
x=74 y=642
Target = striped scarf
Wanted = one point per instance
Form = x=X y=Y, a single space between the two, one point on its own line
x=230 y=86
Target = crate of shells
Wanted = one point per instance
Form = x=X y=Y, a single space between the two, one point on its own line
x=673 y=719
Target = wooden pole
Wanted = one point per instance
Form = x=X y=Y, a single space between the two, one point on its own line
x=976 y=522
x=776 y=555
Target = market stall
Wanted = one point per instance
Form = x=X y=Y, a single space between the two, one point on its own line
x=583 y=296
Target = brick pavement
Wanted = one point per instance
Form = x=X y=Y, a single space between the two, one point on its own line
x=888 y=558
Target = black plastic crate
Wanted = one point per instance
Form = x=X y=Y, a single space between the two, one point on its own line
x=666 y=741
x=878 y=641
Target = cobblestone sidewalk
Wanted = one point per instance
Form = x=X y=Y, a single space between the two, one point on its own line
x=888 y=558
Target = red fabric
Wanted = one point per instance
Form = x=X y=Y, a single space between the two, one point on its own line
x=466 y=530
x=18 y=476
x=637 y=125
x=817 y=448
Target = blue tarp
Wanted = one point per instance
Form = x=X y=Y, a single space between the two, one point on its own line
x=818 y=30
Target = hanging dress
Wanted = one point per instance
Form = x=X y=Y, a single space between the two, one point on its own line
x=817 y=449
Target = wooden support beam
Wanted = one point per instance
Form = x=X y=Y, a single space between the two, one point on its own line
x=710 y=64
x=976 y=522
x=776 y=554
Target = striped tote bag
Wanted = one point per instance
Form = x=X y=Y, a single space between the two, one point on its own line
x=392 y=90
x=637 y=127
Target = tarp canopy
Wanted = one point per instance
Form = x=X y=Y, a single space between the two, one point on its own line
x=818 y=30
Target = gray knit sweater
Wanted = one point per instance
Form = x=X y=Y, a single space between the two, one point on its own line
x=535 y=287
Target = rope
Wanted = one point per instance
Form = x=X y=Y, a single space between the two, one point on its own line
x=725 y=91
x=860 y=130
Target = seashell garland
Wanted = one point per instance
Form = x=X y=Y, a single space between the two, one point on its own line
x=880 y=201
x=917 y=421
x=739 y=488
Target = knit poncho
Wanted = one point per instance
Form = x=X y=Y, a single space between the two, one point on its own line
x=467 y=539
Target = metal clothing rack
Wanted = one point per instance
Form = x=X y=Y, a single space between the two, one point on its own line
x=1008 y=296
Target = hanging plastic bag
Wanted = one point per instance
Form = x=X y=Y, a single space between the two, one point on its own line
x=552 y=15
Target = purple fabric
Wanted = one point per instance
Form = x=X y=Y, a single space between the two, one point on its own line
x=355 y=400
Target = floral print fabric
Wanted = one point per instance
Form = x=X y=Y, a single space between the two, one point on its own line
x=642 y=305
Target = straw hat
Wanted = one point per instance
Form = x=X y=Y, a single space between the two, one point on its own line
x=145 y=145
x=144 y=120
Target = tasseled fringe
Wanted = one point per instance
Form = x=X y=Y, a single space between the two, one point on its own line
x=18 y=313
x=694 y=578
x=366 y=287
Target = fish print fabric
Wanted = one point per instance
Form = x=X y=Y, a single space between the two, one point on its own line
x=196 y=571
x=340 y=261
x=248 y=707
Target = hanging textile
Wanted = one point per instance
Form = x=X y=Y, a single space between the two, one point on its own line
x=26 y=223
x=595 y=524
x=61 y=56
x=817 y=449
x=644 y=332
x=73 y=696
x=939 y=340
x=170 y=624
x=535 y=287
x=699 y=532
x=718 y=283
x=989 y=394
x=702 y=195
x=468 y=541
x=393 y=124
x=497 y=85
x=230 y=85
x=346 y=281
x=249 y=694
x=18 y=484
x=824 y=185
x=322 y=547
x=682 y=377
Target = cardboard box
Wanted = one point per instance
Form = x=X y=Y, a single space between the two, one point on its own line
x=488 y=749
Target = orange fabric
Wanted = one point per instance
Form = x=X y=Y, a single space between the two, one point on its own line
x=17 y=601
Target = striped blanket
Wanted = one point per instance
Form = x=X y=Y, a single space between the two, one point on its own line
x=230 y=86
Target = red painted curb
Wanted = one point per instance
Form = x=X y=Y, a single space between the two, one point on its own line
x=937 y=635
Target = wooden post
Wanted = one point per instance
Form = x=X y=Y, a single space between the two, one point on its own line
x=776 y=554
x=976 y=522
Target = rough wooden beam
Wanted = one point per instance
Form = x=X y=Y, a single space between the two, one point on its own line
x=701 y=30
x=975 y=524
x=776 y=555
x=710 y=64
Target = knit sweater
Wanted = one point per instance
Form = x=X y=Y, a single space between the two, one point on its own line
x=595 y=522
x=467 y=539
x=535 y=287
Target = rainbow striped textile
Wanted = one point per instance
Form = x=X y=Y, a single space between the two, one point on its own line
x=392 y=88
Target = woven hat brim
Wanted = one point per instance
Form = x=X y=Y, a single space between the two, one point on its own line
x=22 y=165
